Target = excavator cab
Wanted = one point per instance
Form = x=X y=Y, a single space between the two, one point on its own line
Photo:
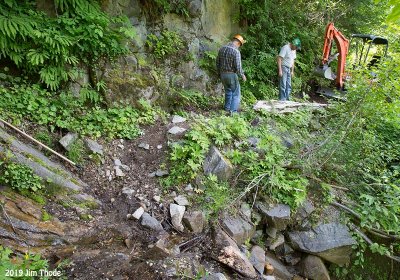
x=369 y=49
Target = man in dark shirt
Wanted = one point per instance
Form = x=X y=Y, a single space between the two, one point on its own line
x=229 y=66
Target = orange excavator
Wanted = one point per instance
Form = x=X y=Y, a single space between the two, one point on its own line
x=324 y=70
x=363 y=53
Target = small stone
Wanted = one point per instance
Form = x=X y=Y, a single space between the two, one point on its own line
x=152 y=174
x=246 y=210
x=121 y=146
x=94 y=147
x=159 y=147
x=138 y=213
x=271 y=232
x=178 y=119
x=173 y=194
x=125 y=167
x=151 y=222
x=68 y=140
x=194 y=221
x=112 y=200
x=181 y=200
x=176 y=130
x=269 y=269
x=128 y=191
x=128 y=243
x=279 y=240
x=118 y=172
x=144 y=146
x=257 y=258
x=161 y=173
x=129 y=216
x=177 y=213
x=108 y=173
x=117 y=162
x=156 y=198
x=189 y=188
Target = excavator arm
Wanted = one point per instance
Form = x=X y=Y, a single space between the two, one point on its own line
x=342 y=44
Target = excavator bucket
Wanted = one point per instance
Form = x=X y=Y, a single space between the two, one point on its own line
x=325 y=72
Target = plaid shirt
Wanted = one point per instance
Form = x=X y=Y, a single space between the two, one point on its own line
x=229 y=60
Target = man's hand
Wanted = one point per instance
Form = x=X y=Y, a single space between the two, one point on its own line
x=244 y=78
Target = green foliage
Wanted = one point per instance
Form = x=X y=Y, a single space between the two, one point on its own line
x=54 y=46
x=20 y=265
x=68 y=112
x=156 y=8
x=76 y=151
x=207 y=62
x=167 y=44
x=19 y=177
x=231 y=133
x=189 y=98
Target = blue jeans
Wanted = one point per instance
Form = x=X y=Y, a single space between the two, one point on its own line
x=232 y=91
x=285 y=84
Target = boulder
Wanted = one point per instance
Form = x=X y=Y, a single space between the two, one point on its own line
x=257 y=258
x=215 y=163
x=314 y=268
x=194 y=221
x=332 y=242
x=278 y=216
x=239 y=229
x=277 y=241
x=177 y=213
x=151 y=222
x=194 y=7
x=280 y=270
x=94 y=147
x=68 y=140
x=245 y=209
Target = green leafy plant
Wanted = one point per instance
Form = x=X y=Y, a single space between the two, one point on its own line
x=19 y=177
x=167 y=44
x=16 y=267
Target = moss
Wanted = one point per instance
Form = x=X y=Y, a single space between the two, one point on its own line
x=85 y=217
x=88 y=205
x=46 y=216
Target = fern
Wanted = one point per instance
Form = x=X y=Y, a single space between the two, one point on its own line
x=90 y=95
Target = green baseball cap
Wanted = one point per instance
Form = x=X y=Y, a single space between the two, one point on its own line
x=297 y=43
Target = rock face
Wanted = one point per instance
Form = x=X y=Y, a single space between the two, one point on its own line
x=314 y=268
x=332 y=242
x=239 y=229
x=215 y=163
x=278 y=216
x=257 y=258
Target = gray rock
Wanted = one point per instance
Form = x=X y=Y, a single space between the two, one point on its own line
x=253 y=141
x=279 y=240
x=284 y=250
x=151 y=222
x=68 y=140
x=161 y=173
x=268 y=277
x=189 y=188
x=257 y=259
x=181 y=200
x=280 y=269
x=314 y=268
x=278 y=215
x=128 y=192
x=215 y=163
x=271 y=232
x=156 y=198
x=194 y=221
x=138 y=213
x=177 y=212
x=304 y=211
x=246 y=210
x=158 y=250
x=144 y=146
x=238 y=228
x=215 y=276
x=118 y=172
x=94 y=147
x=178 y=119
x=194 y=8
x=117 y=162
x=331 y=242
x=232 y=257
x=176 y=130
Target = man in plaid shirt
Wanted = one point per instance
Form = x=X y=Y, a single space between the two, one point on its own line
x=229 y=66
